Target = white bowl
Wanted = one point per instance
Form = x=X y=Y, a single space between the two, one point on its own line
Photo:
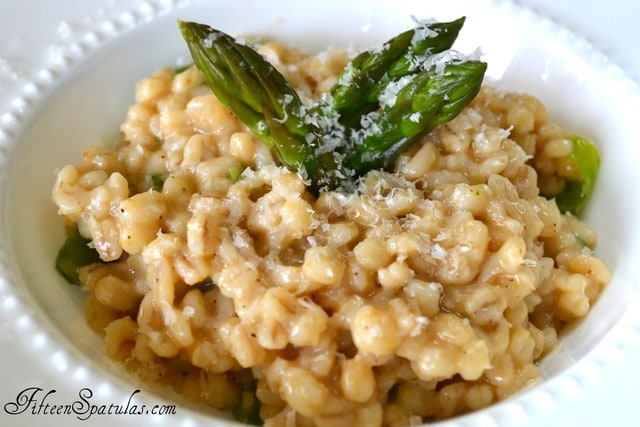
x=80 y=97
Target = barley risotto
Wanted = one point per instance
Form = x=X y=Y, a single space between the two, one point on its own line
x=430 y=290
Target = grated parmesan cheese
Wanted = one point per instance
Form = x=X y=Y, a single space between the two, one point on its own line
x=390 y=93
x=438 y=252
x=212 y=37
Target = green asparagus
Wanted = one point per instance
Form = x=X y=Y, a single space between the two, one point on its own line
x=247 y=409
x=361 y=83
x=75 y=253
x=157 y=181
x=384 y=101
x=254 y=90
x=389 y=96
x=430 y=99
x=576 y=193
x=235 y=173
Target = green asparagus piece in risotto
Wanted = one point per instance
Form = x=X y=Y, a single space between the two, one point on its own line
x=75 y=253
x=586 y=160
x=428 y=39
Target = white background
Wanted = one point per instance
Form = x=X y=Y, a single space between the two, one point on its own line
x=611 y=26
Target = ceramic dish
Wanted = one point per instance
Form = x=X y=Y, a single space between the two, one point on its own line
x=81 y=96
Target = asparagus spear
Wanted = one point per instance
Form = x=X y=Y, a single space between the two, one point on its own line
x=432 y=98
x=352 y=89
x=429 y=39
x=75 y=253
x=365 y=78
